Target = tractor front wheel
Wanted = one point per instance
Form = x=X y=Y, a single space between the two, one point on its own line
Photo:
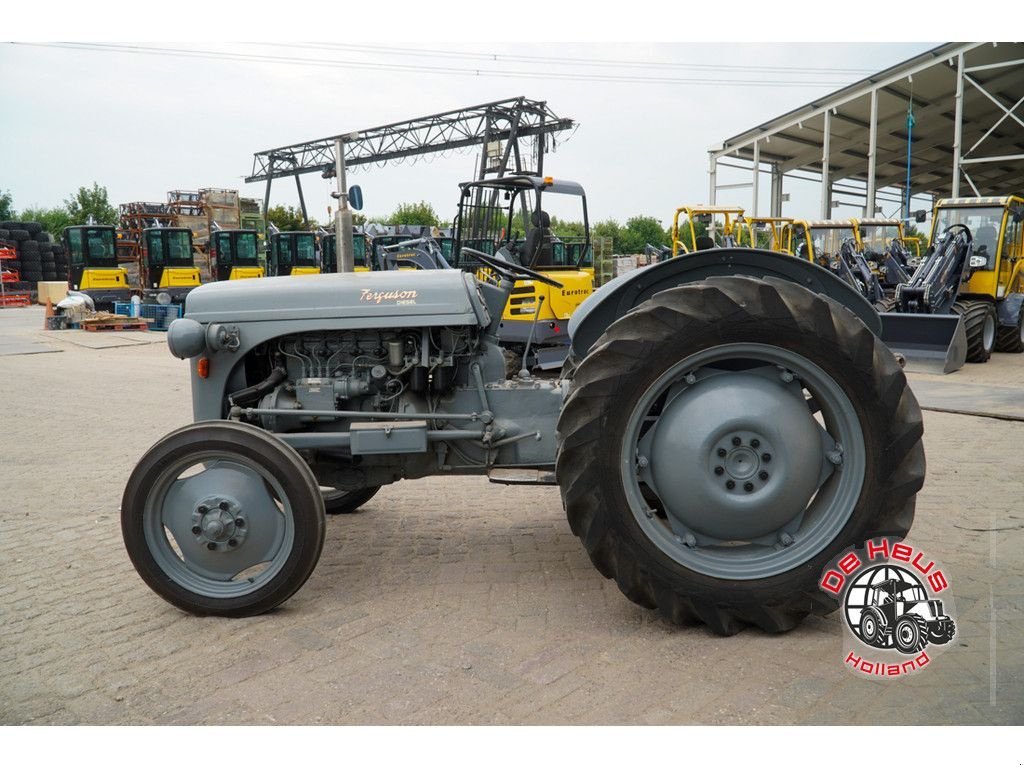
x=725 y=440
x=223 y=519
x=871 y=631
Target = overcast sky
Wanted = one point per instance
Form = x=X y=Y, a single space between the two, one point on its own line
x=143 y=124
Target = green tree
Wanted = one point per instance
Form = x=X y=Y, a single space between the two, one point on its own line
x=421 y=213
x=638 y=232
x=91 y=203
x=608 y=228
x=287 y=218
x=6 y=206
x=53 y=219
x=561 y=228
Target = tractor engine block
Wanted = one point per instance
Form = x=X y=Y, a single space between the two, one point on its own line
x=356 y=370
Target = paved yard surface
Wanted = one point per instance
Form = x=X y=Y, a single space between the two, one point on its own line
x=445 y=601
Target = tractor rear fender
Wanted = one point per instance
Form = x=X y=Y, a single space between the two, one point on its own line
x=616 y=298
x=1009 y=309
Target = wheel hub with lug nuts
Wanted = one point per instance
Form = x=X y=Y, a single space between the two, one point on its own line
x=219 y=524
x=735 y=456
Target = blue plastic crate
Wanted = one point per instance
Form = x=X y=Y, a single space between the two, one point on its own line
x=161 y=315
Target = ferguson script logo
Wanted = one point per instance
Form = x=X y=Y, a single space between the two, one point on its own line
x=893 y=619
x=379 y=297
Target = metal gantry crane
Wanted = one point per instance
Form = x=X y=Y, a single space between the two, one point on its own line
x=511 y=122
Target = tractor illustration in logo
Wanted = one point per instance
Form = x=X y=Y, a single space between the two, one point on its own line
x=888 y=607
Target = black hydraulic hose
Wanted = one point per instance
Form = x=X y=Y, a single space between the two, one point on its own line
x=250 y=395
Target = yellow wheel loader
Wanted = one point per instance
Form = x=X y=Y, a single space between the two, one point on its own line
x=708 y=226
x=991 y=301
x=769 y=232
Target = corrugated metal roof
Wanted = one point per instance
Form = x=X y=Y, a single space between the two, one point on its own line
x=794 y=140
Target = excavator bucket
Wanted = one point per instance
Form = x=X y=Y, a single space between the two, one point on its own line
x=930 y=343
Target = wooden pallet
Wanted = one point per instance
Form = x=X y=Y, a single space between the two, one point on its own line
x=108 y=322
x=108 y=325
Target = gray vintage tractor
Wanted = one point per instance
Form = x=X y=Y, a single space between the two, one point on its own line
x=727 y=423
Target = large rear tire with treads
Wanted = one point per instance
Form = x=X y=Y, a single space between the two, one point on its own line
x=724 y=441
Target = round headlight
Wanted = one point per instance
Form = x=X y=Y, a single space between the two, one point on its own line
x=186 y=338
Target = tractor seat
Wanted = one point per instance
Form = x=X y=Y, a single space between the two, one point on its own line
x=704 y=242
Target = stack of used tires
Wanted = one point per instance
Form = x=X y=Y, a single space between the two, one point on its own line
x=39 y=258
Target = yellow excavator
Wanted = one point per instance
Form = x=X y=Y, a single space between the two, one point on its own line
x=235 y=255
x=93 y=267
x=328 y=243
x=292 y=253
x=167 y=263
x=505 y=219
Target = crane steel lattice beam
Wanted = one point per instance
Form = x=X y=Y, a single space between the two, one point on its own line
x=497 y=121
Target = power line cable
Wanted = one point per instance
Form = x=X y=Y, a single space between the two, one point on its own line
x=346 y=64
x=581 y=61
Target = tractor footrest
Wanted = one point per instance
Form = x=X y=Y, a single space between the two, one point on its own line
x=512 y=476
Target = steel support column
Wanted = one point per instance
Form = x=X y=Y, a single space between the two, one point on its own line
x=869 y=204
x=757 y=172
x=958 y=124
x=776 y=209
x=826 y=179
x=712 y=179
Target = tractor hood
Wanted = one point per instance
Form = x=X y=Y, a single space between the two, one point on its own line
x=430 y=297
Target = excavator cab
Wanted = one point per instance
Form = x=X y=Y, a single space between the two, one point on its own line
x=329 y=251
x=93 y=267
x=234 y=254
x=167 y=262
x=292 y=253
x=511 y=217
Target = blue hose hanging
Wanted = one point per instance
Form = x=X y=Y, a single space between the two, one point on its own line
x=910 y=141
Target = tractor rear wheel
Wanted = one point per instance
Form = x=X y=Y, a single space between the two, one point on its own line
x=1011 y=338
x=223 y=519
x=725 y=440
x=980 y=323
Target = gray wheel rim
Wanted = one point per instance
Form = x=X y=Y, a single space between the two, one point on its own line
x=697 y=538
x=988 y=334
x=232 y=522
